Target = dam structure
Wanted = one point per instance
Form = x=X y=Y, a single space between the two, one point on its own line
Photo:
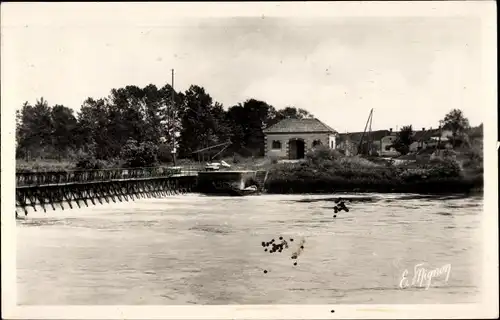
x=77 y=188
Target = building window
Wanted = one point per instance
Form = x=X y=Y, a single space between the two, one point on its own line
x=316 y=143
x=276 y=144
x=331 y=144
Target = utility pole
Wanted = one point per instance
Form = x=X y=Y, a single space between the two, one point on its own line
x=172 y=119
x=440 y=134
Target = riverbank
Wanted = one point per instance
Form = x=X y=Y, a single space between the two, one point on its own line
x=327 y=173
x=471 y=186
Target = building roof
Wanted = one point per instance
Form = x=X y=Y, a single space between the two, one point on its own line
x=356 y=136
x=299 y=126
x=425 y=134
x=379 y=134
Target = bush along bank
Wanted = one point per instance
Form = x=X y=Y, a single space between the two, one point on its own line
x=344 y=175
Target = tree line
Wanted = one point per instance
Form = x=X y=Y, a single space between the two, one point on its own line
x=154 y=120
x=462 y=134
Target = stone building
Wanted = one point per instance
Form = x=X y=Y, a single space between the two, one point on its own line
x=293 y=138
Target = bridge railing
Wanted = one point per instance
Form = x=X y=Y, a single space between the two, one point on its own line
x=83 y=176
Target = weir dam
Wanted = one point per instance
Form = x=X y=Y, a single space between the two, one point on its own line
x=77 y=188
x=67 y=189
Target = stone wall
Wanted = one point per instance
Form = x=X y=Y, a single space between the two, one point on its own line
x=284 y=139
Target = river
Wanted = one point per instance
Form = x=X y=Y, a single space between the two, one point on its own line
x=194 y=249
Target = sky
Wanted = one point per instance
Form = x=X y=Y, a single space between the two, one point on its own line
x=409 y=69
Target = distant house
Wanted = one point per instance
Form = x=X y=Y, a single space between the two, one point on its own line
x=382 y=141
x=430 y=138
x=292 y=138
x=386 y=148
x=349 y=142
x=422 y=139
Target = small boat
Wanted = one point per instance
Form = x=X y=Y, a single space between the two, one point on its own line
x=235 y=192
x=244 y=192
x=215 y=166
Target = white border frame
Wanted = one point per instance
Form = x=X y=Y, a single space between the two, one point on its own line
x=486 y=10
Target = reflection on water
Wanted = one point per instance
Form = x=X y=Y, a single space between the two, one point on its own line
x=194 y=249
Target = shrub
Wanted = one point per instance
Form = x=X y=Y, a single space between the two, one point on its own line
x=237 y=158
x=322 y=153
x=274 y=159
x=165 y=153
x=88 y=162
x=357 y=162
x=359 y=174
x=136 y=155
x=445 y=168
x=474 y=155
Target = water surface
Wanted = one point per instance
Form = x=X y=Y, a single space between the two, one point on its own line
x=193 y=249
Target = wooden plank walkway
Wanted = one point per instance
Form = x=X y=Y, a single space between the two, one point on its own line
x=46 y=189
x=58 y=177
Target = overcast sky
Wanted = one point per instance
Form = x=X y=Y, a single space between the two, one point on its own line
x=411 y=70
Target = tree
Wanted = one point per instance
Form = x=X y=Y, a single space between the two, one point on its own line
x=104 y=127
x=93 y=121
x=246 y=122
x=456 y=123
x=144 y=154
x=34 y=129
x=294 y=113
x=257 y=114
x=276 y=116
x=64 y=126
x=203 y=122
x=126 y=117
x=476 y=132
x=170 y=122
x=403 y=140
x=236 y=118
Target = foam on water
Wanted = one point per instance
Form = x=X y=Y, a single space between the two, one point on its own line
x=194 y=249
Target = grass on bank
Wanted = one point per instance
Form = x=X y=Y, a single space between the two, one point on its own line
x=326 y=170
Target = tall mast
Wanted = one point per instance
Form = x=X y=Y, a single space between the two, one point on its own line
x=370 y=136
x=364 y=131
x=171 y=120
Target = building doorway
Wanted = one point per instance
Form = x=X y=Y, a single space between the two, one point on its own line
x=296 y=149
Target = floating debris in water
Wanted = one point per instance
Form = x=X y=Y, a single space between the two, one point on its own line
x=340 y=206
x=298 y=252
x=265 y=271
x=274 y=246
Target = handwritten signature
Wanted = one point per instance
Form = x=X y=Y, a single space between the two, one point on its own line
x=423 y=276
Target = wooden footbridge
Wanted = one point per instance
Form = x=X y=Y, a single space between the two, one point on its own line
x=81 y=187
